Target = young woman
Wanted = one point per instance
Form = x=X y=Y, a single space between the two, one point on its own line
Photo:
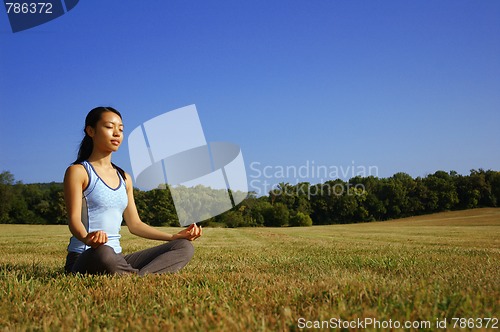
x=98 y=196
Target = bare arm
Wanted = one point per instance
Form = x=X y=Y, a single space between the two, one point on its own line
x=139 y=228
x=75 y=180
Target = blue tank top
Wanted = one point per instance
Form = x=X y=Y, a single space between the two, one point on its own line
x=102 y=209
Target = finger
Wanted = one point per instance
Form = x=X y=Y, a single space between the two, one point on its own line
x=98 y=236
x=92 y=242
x=196 y=232
x=196 y=235
x=91 y=237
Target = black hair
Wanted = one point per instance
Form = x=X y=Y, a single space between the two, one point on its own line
x=87 y=145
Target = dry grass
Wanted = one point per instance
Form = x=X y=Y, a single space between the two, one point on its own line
x=261 y=279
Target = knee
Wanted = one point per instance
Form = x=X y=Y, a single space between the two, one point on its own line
x=106 y=258
x=186 y=247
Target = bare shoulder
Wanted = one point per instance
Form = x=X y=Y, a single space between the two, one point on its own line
x=128 y=181
x=76 y=169
x=76 y=174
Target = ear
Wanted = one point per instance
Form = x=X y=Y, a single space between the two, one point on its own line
x=90 y=131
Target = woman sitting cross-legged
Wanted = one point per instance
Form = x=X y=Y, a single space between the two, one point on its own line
x=99 y=195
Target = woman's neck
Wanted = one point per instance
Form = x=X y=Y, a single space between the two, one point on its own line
x=101 y=160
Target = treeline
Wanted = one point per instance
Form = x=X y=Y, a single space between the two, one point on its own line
x=360 y=199
x=31 y=203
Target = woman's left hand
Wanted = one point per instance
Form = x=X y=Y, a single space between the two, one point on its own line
x=191 y=233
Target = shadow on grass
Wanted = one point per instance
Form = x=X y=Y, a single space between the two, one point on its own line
x=39 y=272
x=30 y=271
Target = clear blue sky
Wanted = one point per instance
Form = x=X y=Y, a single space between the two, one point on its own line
x=406 y=86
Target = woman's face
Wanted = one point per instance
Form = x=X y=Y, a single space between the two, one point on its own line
x=108 y=132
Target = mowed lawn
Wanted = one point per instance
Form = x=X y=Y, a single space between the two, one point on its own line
x=427 y=268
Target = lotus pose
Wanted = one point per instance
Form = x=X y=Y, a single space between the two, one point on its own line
x=99 y=195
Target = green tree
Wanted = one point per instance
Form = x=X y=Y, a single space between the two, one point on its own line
x=393 y=195
x=479 y=181
x=370 y=186
x=232 y=219
x=156 y=207
x=468 y=195
x=493 y=178
x=283 y=193
x=36 y=204
x=253 y=210
x=56 y=213
x=302 y=202
x=277 y=216
x=6 y=196
x=442 y=186
x=301 y=219
x=19 y=212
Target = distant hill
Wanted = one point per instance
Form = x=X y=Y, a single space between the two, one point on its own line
x=479 y=216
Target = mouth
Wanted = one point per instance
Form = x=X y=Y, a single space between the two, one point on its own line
x=115 y=142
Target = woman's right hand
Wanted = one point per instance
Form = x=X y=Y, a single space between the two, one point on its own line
x=191 y=233
x=96 y=238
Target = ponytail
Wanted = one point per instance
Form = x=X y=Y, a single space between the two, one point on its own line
x=121 y=171
x=85 y=150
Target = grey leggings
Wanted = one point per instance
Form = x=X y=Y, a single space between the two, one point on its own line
x=165 y=258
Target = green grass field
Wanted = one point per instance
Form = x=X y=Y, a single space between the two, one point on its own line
x=427 y=268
